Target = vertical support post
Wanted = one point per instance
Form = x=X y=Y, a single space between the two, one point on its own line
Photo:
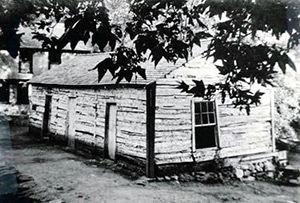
x=150 y=134
x=46 y=116
x=20 y=64
x=105 y=149
x=218 y=135
x=49 y=65
x=272 y=120
x=193 y=127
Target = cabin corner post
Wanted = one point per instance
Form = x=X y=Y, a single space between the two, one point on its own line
x=105 y=149
x=45 y=121
x=150 y=133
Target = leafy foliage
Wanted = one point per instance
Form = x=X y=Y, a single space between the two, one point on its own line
x=235 y=45
x=168 y=30
x=287 y=105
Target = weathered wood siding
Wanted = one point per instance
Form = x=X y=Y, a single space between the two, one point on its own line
x=240 y=134
x=90 y=115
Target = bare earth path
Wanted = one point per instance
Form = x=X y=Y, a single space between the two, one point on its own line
x=58 y=175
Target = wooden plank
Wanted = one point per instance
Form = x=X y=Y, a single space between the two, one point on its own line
x=71 y=122
x=173 y=158
x=150 y=134
x=110 y=114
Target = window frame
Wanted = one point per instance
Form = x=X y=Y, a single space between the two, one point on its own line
x=194 y=125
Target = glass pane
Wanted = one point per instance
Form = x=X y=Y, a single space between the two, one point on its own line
x=210 y=106
x=198 y=118
x=203 y=107
x=197 y=107
x=211 y=118
x=205 y=137
x=204 y=118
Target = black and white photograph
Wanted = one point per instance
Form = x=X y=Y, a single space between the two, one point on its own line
x=149 y=101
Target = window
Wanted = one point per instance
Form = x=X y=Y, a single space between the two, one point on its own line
x=33 y=107
x=205 y=124
x=22 y=94
x=4 y=92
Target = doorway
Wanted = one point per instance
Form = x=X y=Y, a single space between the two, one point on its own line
x=110 y=131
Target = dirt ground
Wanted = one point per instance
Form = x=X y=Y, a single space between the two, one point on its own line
x=49 y=173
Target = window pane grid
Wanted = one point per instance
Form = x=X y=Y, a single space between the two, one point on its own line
x=204 y=118
x=204 y=124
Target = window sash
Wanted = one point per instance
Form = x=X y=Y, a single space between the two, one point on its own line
x=207 y=113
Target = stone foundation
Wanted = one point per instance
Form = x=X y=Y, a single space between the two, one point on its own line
x=261 y=166
x=257 y=170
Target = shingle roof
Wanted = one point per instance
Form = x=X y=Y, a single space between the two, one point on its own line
x=76 y=71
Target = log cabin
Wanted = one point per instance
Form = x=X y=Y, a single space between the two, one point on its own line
x=150 y=122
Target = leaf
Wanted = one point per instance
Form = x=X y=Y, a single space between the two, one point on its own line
x=183 y=86
x=291 y=64
x=86 y=37
x=103 y=66
x=101 y=38
x=210 y=90
x=120 y=77
x=200 y=86
x=101 y=73
x=128 y=75
x=106 y=64
x=142 y=72
x=256 y=98
x=74 y=43
x=247 y=109
x=112 y=41
x=199 y=89
x=282 y=66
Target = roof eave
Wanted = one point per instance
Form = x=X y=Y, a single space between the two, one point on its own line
x=103 y=86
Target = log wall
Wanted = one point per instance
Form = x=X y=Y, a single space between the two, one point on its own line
x=239 y=134
x=90 y=116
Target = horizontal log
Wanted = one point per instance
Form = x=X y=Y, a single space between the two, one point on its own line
x=172 y=122
x=173 y=158
x=244 y=127
x=164 y=128
x=244 y=142
x=228 y=152
x=173 y=146
x=174 y=139
x=172 y=116
x=138 y=127
x=85 y=118
x=205 y=154
x=173 y=133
